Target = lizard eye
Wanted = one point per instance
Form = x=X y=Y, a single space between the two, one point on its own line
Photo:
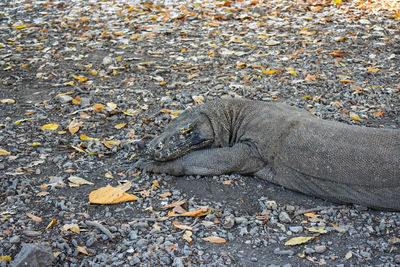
x=158 y=147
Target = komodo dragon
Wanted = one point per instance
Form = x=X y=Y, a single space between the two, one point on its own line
x=283 y=145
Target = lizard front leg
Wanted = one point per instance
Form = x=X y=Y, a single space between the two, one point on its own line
x=240 y=158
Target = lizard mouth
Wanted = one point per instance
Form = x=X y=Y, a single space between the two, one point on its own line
x=175 y=147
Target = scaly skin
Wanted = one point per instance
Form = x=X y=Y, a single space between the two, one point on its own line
x=283 y=145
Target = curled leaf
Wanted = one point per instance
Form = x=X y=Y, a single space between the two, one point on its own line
x=214 y=239
x=50 y=126
x=298 y=240
x=110 y=195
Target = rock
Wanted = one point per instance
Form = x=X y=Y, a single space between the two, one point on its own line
x=278 y=251
x=320 y=249
x=107 y=61
x=296 y=229
x=309 y=251
x=64 y=99
x=33 y=256
x=15 y=239
x=177 y=262
x=85 y=102
x=397 y=259
x=284 y=217
x=32 y=233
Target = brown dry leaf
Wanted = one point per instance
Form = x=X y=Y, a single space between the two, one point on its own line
x=311 y=214
x=298 y=240
x=155 y=184
x=74 y=125
x=73 y=227
x=198 y=99
x=166 y=194
x=33 y=217
x=214 y=239
x=49 y=126
x=98 y=107
x=110 y=195
x=82 y=250
x=43 y=193
x=347 y=81
x=338 y=54
x=4 y=152
x=187 y=236
x=378 y=113
x=51 y=224
x=202 y=211
x=372 y=70
x=181 y=226
x=125 y=186
x=173 y=205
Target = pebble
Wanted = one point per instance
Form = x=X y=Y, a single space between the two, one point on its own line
x=320 y=249
x=278 y=251
x=65 y=99
x=15 y=239
x=296 y=229
x=284 y=217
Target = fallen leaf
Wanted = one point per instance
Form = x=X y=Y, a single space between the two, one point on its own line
x=372 y=70
x=125 y=186
x=7 y=258
x=9 y=101
x=80 y=78
x=355 y=116
x=298 y=240
x=348 y=255
x=270 y=71
x=4 y=152
x=202 y=211
x=172 y=205
x=51 y=224
x=166 y=194
x=50 y=126
x=320 y=230
x=110 y=195
x=98 y=107
x=155 y=184
x=71 y=227
x=214 y=239
x=120 y=126
x=187 y=236
x=181 y=226
x=74 y=126
x=79 y=181
x=198 y=99
x=82 y=250
x=33 y=217
x=338 y=54
x=84 y=137
x=347 y=81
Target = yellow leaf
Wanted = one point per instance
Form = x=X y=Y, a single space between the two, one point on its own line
x=181 y=226
x=78 y=149
x=71 y=83
x=166 y=194
x=298 y=240
x=71 y=227
x=74 y=125
x=203 y=211
x=118 y=33
x=79 y=181
x=347 y=81
x=36 y=144
x=93 y=72
x=19 y=27
x=82 y=250
x=134 y=36
x=214 y=239
x=33 y=217
x=155 y=184
x=4 y=152
x=80 y=78
x=51 y=224
x=110 y=195
x=67 y=93
x=84 y=137
x=373 y=69
x=50 y=126
x=270 y=71
x=9 y=101
x=311 y=215
x=355 y=116
x=120 y=126
x=187 y=236
x=7 y=258
x=262 y=37
x=98 y=107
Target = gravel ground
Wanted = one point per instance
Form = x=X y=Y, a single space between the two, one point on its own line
x=111 y=74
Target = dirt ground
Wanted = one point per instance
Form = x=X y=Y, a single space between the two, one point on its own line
x=85 y=84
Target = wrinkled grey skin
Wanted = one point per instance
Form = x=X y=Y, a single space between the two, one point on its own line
x=283 y=145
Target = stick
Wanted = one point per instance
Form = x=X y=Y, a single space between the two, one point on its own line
x=101 y=227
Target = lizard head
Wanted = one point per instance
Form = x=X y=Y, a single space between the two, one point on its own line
x=192 y=130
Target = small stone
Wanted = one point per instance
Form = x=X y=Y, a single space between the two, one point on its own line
x=31 y=233
x=254 y=259
x=296 y=229
x=397 y=259
x=309 y=251
x=85 y=102
x=284 y=217
x=64 y=99
x=177 y=262
x=366 y=255
x=15 y=239
x=107 y=61
x=320 y=249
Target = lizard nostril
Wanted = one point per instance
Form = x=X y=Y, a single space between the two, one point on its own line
x=158 y=147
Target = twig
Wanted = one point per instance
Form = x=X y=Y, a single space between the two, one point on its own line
x=101 y=227
x=318 y=209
